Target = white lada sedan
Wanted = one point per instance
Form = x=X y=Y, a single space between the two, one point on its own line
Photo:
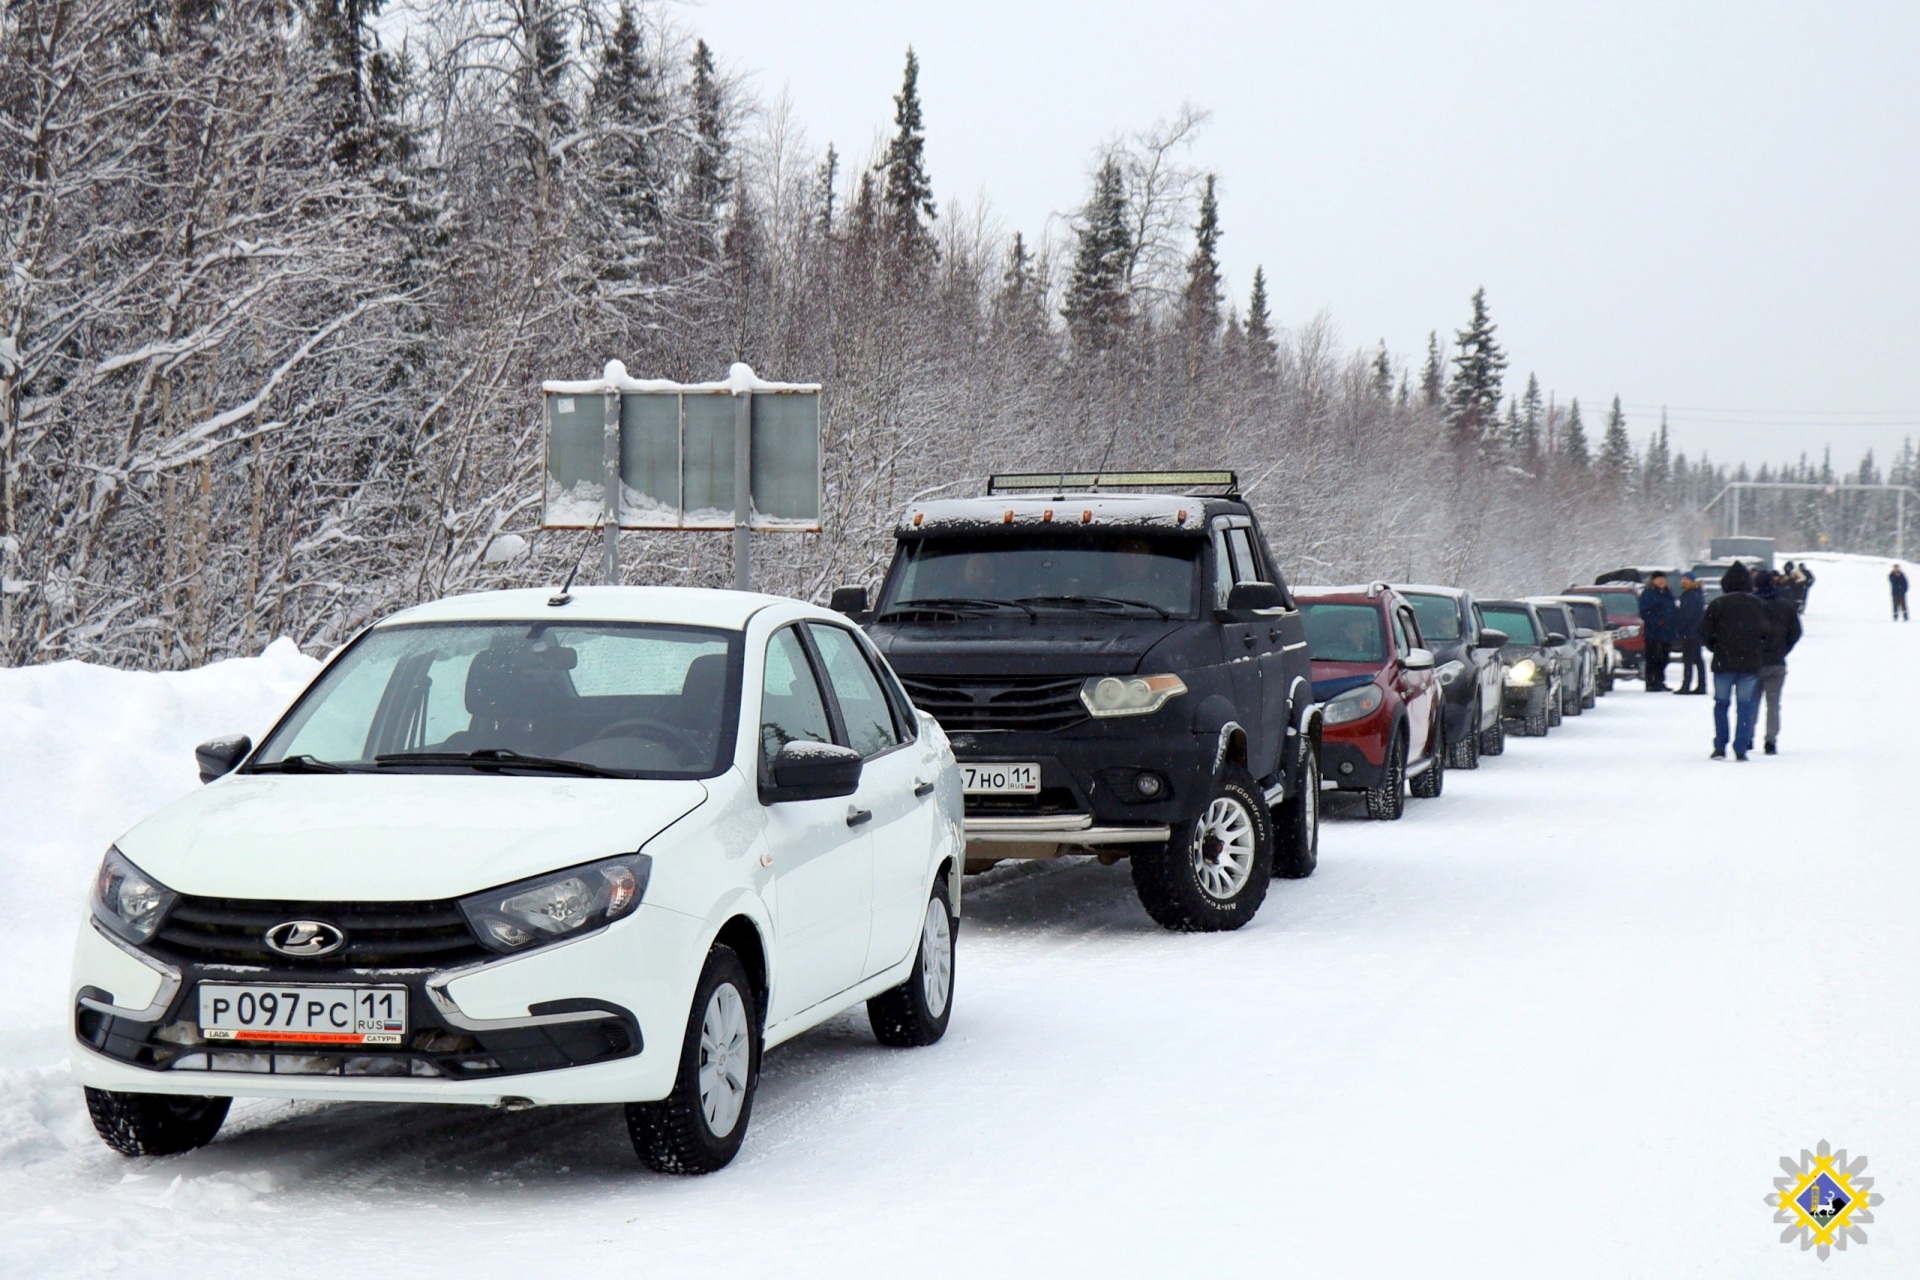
x=518 y=849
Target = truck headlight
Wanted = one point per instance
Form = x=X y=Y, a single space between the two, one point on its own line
x=1129 y=695
x=560 y=905
x=1354 y=704
x=127 y=900
x=1522 y=672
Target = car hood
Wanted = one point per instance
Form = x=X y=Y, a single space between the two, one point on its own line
x=394 y=837
x=1330 y=679
x=1070 y=644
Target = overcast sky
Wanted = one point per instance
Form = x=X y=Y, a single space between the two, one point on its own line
x=1708 y=206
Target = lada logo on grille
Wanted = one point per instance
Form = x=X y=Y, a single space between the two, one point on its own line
x=305 y=938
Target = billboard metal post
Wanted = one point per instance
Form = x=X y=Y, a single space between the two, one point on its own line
x=742 y=491
x=610 y=444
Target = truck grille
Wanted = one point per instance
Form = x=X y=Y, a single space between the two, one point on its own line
x=968 y=704
x=379 y=934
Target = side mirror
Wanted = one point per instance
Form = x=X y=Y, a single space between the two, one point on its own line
x=813 y=771
x=1554 y=637
x=1493 y=639
x=1584 y=633
x=1418 y=660
x=1251 y=597
x=218 y=757
x=851 y=601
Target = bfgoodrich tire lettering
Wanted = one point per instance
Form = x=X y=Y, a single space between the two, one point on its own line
x=154 y=1124
x=1213 y=874
x=916 y=1012
x=699 y=1127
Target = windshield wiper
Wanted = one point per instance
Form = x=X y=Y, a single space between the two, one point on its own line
x=1091 y=601
x=302 y=764
x=494 y=758
x=952 y=604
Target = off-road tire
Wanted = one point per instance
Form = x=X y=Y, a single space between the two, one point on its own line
x=673 y=1135
x=1386 y=802
x=1296 y=835
x=1172 y=879
x=1428 y=785
x=154 y=1124
x=1493 y=740
x=915 y=1013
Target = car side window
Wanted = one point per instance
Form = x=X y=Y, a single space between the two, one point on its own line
x=863 y=703
x=1246 y=565
x=791 y=708
x=1222 y=569
x=1409 y=633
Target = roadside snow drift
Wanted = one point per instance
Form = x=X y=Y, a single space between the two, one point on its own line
x=1563 y=1021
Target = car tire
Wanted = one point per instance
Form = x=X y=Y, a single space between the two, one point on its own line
x=1555 y=709
x=1213 y=874
x=1428 y=785
x=698 y=1128
x=1465 y=754
x=1575 y=702
x=1590 y=695
x=1493 y=740
x=154 y=1124
x=1296 y=836
x=1537 y=720
x=915 y=1013
x=1386 y=802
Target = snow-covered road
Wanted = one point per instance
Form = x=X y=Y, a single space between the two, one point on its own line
x=1563 y=1021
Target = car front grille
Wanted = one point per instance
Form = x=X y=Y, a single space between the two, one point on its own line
x=379 y=934
x=971 y=704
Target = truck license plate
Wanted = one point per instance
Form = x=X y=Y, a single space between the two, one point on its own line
x=1000 y=779
x=304 y=1015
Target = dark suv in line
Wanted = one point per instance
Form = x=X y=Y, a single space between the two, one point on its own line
x=1120 y=673
x=1472 y=675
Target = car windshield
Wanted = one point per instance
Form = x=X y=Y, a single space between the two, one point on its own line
x=1621 y=604
x=628 y=700
x=1588 y=616
x=1553 y=618
x=1120 y=573
x=1515 y=622
x=1439 y=616
x=1344 y=632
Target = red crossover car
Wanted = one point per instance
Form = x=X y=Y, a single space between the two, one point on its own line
x=1381 y=711
x=1623 y=619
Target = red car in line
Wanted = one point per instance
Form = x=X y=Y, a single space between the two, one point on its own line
x=1383 y=722
x=1622 y=604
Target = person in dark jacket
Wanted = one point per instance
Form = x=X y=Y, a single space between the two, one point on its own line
x=1805 y=588
x=1687 y=615
x=1658 y=629
x=1736 y=628
x=1897 y=579
x=1783 y=627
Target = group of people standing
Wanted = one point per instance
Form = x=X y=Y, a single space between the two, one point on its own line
x=1750 y=630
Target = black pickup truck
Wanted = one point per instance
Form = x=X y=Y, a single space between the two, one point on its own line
x=1122 y=672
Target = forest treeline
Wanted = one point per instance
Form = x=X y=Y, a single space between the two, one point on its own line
x=280 y=287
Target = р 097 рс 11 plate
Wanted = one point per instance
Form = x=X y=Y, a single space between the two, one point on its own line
x=1000 y=779
x=304 y=1015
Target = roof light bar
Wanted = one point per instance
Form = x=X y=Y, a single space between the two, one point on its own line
x=1064 y=481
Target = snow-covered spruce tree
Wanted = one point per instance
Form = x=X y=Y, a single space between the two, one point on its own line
x=1473 y=392
x=1574 y=453
x=1258 y=330
x=1200 y=298
x=1531 y=407
x=1616 y=461
x=907 y=193
x=1097 y=307
x=1433 y=373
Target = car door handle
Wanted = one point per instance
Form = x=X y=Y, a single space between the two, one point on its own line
x=921 y=790
x=1274 y=634
x=1248 y=637
x=857 y=816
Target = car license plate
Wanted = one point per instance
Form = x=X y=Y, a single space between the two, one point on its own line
x=1000 y=779
x=304 y=1015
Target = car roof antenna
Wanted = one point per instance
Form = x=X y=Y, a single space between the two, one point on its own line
x=564 y=596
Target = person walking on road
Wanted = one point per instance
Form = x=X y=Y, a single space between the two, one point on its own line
x=1897 y=579
x=1687 y=615
x=1658 y=616
x=1805 y=587
x=1736 y=628
x=1783 y=632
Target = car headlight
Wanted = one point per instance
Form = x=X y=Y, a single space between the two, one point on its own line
x=1522 y=672
x=1354 y=704
x=1129 y=695
x=1450 y=673
x=563 y=904
x=127 y=900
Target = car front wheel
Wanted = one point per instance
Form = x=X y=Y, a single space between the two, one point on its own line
x=1213 y=874
x=698 y=1128
x=1388 y=801
x=916 y=1012
x=154 y=1124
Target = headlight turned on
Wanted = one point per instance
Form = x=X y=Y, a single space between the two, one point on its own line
x=128 y=901
x=1105 y=696
x=1522 y=672
x=562 y=904
x=1354 y=704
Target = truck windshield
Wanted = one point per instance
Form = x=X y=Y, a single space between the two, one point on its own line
x=1119 y=573
x=616 y=699
x=1517 y=623
x=1344 y=632
x=1439 y=616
